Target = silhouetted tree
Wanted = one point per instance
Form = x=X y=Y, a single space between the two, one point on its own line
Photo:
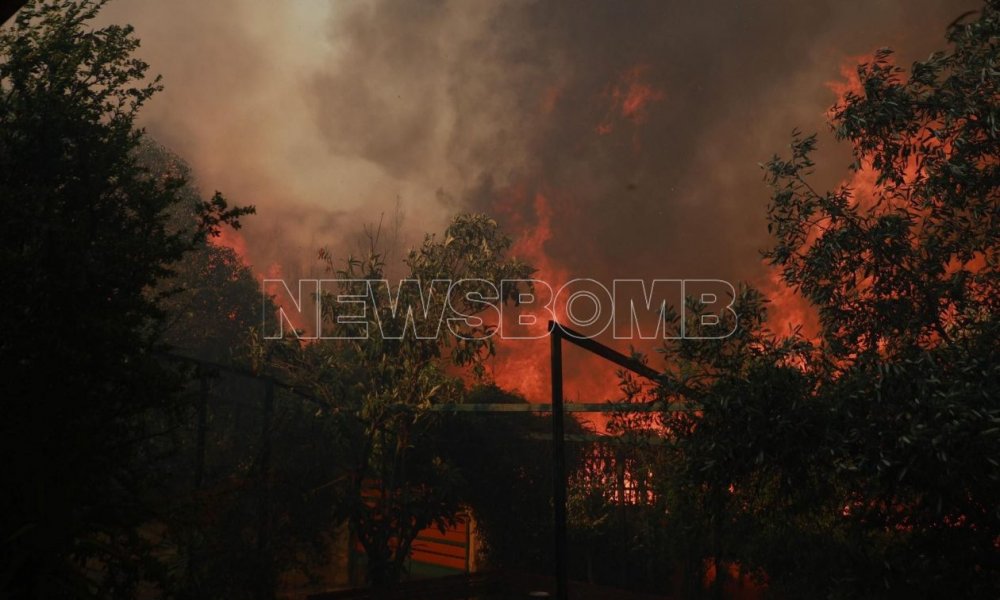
x=86 y=236
x=737 y=478
x=379 y=379
x=904 y=276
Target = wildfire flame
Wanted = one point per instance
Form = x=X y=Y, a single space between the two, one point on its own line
x=630 y=98
x=234 y=240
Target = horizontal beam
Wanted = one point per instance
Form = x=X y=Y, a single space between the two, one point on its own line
x=575 y=407
x=626 y=362
x=596 y=437
x=207 y=365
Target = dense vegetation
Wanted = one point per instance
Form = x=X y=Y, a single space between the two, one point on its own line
x=86 y=237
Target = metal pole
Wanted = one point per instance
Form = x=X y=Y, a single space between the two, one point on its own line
x=558 y=462
x=202 y=432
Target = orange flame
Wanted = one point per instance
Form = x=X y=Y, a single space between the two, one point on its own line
x=630 y=98
x=234 y=240
x=787 y=310
x=523 y=364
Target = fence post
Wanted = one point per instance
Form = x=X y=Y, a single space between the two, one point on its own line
x=558 y=463
x=202 y=431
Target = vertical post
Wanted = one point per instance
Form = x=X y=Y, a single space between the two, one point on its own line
x=558 y=462
x=468 y=544
x=620 y=465
x=201 y=433
x=199 y=473
x=267 y=584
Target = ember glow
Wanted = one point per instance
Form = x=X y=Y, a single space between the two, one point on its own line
x=629 y=100
x=524 y=298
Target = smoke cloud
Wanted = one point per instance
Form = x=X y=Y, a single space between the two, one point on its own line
x=631 y=132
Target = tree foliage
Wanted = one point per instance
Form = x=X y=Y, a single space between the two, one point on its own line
x=863 y=464
x=85 y=237
x=379 y=379
x=904 y=275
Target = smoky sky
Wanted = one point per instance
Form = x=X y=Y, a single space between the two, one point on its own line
x=640 y=125
x=328 y=115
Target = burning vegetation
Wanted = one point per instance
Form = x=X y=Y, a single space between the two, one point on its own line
x=839 y=438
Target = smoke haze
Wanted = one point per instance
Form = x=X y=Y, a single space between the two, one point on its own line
x=613 y=139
